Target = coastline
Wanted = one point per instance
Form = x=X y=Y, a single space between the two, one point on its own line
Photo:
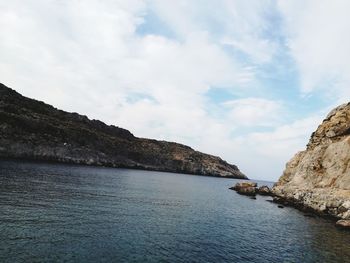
x=35 y=130
x=112 y=166
x=251 y=189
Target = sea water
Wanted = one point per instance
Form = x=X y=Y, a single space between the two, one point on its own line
x=68 y=213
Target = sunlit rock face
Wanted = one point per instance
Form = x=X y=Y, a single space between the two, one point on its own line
x=34 y=130
x=319 y=177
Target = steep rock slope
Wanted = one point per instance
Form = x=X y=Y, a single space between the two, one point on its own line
x=31 y=129
x=319 y=177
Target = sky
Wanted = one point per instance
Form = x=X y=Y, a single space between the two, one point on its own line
x=245 y=80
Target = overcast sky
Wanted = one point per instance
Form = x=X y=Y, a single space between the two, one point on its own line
x=246 y=80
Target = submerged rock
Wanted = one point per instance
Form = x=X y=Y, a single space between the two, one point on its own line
x=31 y=129
x=310 y=215
x=318 y=178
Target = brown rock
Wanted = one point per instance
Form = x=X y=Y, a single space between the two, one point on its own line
x=243 y=185
x=264 y=190
x=318 y=178
x=245 y=188
x=343 y=223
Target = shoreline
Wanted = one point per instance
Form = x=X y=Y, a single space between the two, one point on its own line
x=251 y=190
x=112 y=166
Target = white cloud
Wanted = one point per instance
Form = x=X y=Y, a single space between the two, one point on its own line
x=264 y=154
x=260 y=50
x=254 y=111
x=319 y=40
x=240 y=24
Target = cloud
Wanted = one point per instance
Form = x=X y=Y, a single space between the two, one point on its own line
x=91 y=57
x=260 y=50
x=94 y=53
x=264 y=154
x=254 y=111
x=318 y=38
x=240 y=24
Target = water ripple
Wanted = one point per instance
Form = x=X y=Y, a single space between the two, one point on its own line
x=62 y=213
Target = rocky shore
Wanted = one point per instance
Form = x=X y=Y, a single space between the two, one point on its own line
x=251 y=189
x=30 y=129
x=318 y=178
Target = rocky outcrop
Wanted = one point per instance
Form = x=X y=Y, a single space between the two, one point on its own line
x=245 y=188
x=318 y=178
x=264 y=190
x=33 y=130
x=250 y=189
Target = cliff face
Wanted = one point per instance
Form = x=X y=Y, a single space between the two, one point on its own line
x=319 y=177
x=33 y=130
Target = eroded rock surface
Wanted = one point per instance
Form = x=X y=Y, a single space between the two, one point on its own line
x=318 y=178
x=34 y=130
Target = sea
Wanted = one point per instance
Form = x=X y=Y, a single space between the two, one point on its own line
x=71 y=213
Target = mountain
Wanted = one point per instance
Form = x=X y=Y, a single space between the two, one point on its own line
x=318 y=178
x=31 y=129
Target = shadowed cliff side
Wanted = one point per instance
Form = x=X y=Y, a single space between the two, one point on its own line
x=319 y=177
x=31 y=129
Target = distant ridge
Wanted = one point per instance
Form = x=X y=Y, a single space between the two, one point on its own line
x=31 y=129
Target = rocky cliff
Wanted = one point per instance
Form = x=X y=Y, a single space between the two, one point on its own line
x=31 y=129
x=319 y=177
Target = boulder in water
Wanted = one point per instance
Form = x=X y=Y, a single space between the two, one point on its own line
x=264 y=190
x=245 y=188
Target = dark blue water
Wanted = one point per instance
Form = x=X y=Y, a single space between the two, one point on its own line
x=61 y=213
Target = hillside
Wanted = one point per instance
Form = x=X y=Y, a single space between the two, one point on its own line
x=30 y=129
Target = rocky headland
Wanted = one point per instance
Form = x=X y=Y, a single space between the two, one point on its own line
x=318 y=178
x=33 y=130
